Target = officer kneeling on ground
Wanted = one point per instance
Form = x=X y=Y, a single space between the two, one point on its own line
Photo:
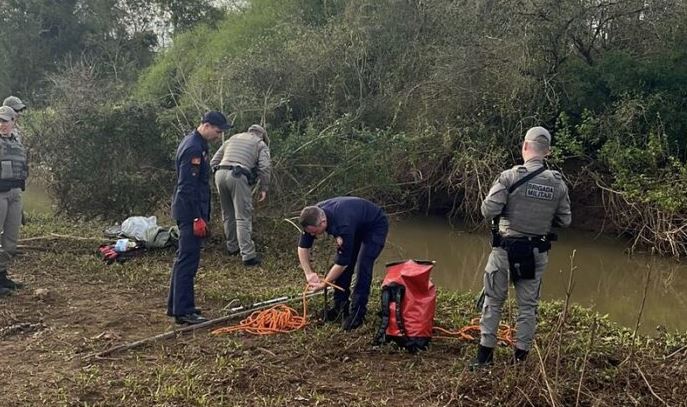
x=360 y=228
x=529 y=200
x=191 y=210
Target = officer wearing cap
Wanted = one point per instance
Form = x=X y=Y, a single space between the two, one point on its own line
x=191 y=210
x=13 y=173
x=529 y=200
x=360 y=229
x=18 y=106
x=240 y=163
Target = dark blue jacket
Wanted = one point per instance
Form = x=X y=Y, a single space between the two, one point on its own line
x=191 y=197
x=351 y=219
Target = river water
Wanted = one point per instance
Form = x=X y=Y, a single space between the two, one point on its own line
x=605 y=277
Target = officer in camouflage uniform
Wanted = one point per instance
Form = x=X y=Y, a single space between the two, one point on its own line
x=239 y=163
x=527 y=212
x=13 y=174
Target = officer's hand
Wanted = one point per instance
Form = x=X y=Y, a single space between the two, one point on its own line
x=317 y=286
x=263 y=196
x=312 y=279
x=200 y=228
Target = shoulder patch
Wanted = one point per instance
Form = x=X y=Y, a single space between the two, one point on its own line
x=521 y=169
x=195 y=160
x=557 y=174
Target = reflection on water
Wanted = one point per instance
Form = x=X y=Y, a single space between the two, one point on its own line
x=606 y=278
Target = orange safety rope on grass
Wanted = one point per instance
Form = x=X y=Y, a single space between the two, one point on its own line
x=278 y=319
x=471 y=332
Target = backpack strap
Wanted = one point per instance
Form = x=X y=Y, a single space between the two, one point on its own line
x=380 y=337
x=526 y=178
x=399 y=293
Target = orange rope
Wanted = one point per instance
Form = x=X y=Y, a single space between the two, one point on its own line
x=332 y=285
x=471 y=332
x=278 y=319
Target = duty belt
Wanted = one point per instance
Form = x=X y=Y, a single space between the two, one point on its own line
x=237 y=171
x=541 y=242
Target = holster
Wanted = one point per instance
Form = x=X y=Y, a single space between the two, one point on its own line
x=521 y=255
x=520 y=258
x=237 y=171
x=495 y=235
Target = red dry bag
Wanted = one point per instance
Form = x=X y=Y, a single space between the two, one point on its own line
x=408 y=304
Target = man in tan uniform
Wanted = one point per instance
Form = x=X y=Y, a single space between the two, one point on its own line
x=240 y=163
x=529 y=200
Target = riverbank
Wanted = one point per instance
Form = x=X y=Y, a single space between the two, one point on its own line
x=87 y=306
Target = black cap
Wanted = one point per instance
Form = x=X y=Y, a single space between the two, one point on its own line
x=216 y=119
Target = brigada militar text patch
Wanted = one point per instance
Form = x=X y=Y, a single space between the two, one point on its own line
x=538 y=191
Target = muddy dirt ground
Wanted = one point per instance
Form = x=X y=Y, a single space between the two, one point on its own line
x=74 y=305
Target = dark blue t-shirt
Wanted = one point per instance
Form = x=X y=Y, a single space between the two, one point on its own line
x=351 y=218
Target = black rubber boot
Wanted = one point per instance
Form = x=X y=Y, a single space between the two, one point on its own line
x=484 y=358
x=519 y=355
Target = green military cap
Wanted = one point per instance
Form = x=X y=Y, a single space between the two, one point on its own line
x=15 y=103
x=7 y=113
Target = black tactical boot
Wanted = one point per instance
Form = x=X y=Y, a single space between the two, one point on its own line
x=5 y=291
x=355 y=319
x=519 y=355
x=6 y=282
x=190 y=319
x=337 y=313
x=255 y=261
x=485 y=357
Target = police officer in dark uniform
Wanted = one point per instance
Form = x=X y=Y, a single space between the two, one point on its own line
x=360 y=229
x=528 y=200
x=191 y=210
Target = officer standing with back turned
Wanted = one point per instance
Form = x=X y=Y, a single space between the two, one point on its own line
x=191 y=210
x=529 y=199
x=241 y=162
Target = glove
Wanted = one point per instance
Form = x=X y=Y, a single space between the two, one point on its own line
x=200 y=228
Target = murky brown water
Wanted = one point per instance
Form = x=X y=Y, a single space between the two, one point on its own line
x=606 y=279
x=36 y=198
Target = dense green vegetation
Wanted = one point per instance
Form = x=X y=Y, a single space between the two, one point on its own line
x=415 y=104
